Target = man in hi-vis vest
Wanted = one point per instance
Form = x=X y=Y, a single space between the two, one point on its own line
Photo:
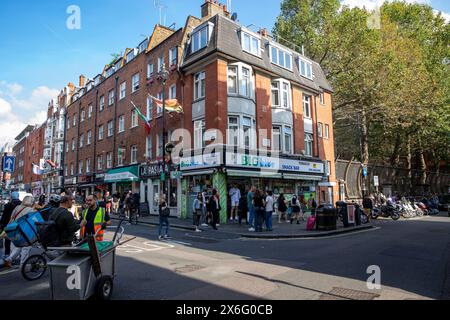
x=94 y=218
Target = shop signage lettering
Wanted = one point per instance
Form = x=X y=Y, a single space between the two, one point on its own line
x=257 y=162
x=271 y=163
x=200 y=161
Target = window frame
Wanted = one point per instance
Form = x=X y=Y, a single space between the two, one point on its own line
x=100 y=163
x=123 y=90
x=111 y=97
x=327 y=132
x=320 y=130
x=199 y=131
x=196 y=37
x=89 y=138
x=109 y=160
x=135 y=87
x=285 y=52
x=134 y=119
x=199 y=85
x=121 y=159
x=101 y=133
x=306 y=101
x=150 y=67
x=309 y=140
x=110 y=128
x=134 y=151
x=280 y=91
x=251 y=38
x=308 y=68
x=102 y=103
x=173 y=57
x=172 y=95
x=121 y=125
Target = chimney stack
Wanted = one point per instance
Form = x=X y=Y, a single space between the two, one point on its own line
x=213 y=7
x=82 y=81
x=264 y=32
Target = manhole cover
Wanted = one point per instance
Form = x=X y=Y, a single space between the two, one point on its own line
x=189 y=268
x=348 y=294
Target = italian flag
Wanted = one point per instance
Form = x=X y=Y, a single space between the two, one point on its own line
x=147 y=125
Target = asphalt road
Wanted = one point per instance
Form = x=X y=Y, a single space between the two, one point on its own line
x=413 y=257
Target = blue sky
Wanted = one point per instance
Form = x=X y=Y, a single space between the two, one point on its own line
x=40 y=55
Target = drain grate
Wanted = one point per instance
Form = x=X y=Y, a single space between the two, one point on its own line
x=189 y=268
x=348 y=294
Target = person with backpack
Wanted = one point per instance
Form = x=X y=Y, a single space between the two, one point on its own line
x=164 y=214
x=52 y=204
x=282 y=208
x=296 y=210
x=6 y=216
x=312 y=205
x=20 y=211
x=197 y=211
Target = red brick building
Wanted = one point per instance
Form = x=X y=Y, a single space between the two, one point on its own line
x=256 y=112
x=28 y=150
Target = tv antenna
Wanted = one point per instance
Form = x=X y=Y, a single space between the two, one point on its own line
x=161 y=6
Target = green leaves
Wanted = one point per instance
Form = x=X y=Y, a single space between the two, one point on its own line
x=397 y=76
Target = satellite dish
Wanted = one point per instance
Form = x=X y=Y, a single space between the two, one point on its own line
x=234 y=16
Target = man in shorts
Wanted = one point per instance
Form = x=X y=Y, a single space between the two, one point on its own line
x=235 y=195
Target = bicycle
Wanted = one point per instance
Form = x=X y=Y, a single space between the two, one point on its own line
x=134 y=216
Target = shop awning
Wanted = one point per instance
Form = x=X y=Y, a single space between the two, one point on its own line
x=197 y=173
x=253 y=174
x=128 y=174
x=301 y=177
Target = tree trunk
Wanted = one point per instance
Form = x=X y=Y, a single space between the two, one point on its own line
x=409 y=164
x=364 y=139
x=422 y=166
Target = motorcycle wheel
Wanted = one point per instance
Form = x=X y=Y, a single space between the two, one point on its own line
x=395 y=216
x=364 y=219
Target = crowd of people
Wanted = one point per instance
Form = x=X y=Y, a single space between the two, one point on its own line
x=256 y=207
x=70 y=226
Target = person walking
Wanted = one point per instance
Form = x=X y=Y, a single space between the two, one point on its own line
x=312 y=205
x=282 y=208
x=164 y=214
x=251 y=209
x=197 y=211
x=269 y=210
x=243 y=209
x=235 y=195
x=215 y=208
x=115 y=203
x=108 y=200
x=20 y=211
x=205 y=212
x=6 y=217
x=258 y=203
x=295 y=204
x=94 y=219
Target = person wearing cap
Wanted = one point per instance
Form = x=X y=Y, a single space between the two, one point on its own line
x=21 y=210
x=6 y=217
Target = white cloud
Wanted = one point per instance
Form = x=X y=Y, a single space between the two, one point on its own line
x=17 y=110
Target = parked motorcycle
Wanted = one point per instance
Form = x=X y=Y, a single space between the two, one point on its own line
x=386 y=211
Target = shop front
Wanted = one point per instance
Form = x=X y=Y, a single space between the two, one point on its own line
x=123 y=179
x=70 y=185
x=151 y=186
x=282 y=175
x=86 y=185
x=36 y=188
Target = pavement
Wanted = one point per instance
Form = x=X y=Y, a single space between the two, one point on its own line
x=413 y=257
x=280 y=230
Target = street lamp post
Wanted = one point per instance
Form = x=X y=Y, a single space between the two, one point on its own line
x=164 y=76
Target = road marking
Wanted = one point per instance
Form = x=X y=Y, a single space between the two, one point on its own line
x=179 y=242
x=7 y=271
x=154 y=246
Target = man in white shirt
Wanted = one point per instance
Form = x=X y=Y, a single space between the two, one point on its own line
x=235 y=195
x=269 y=210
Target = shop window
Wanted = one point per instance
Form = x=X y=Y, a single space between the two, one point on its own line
x=308 y=145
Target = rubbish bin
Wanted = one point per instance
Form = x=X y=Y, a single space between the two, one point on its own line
x=347 y=212
x=326 y=219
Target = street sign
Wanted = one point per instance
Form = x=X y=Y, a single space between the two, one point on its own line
x=9 y=163
x=376 y=182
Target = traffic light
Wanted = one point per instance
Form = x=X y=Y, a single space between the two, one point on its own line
x=169 y=147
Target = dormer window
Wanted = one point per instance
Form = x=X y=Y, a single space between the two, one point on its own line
x=281 y=57
x=109 y=72
x=250 y=44
x=131 y=55
x=143 y=46
x=305 y=68
x=200 y=37
x=118 y=65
